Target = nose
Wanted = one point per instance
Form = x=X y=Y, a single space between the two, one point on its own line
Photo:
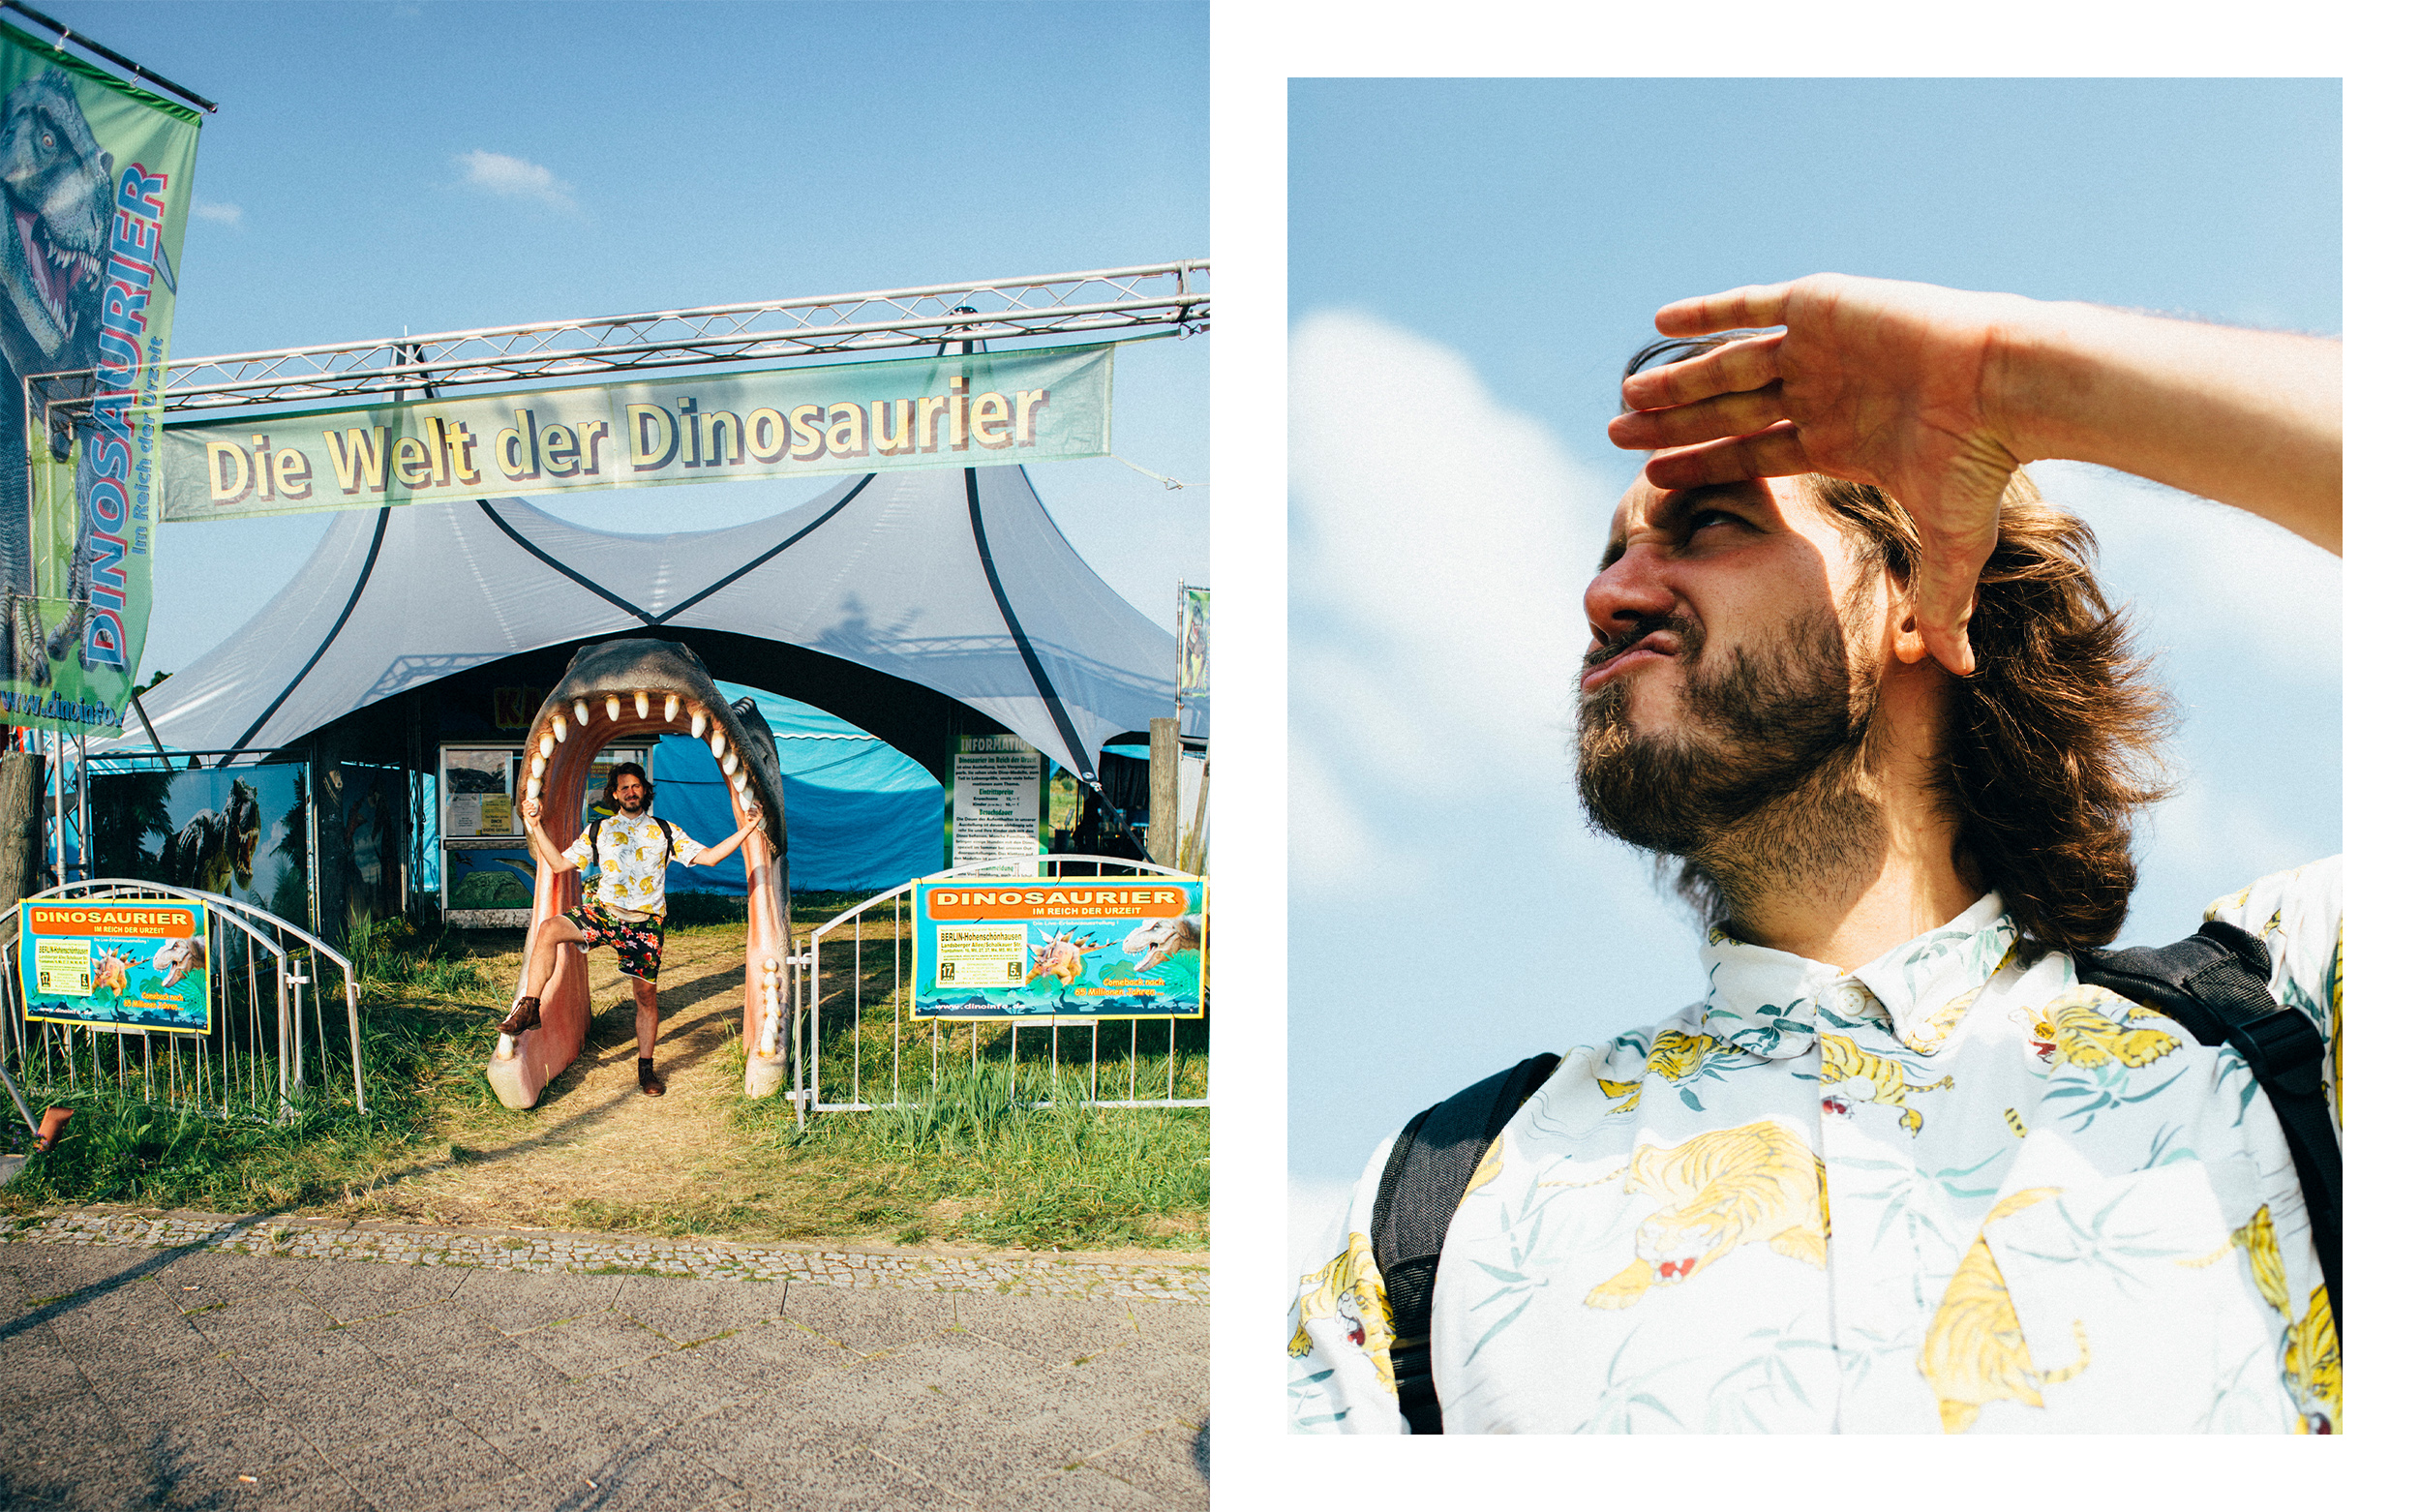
x=1632 y=588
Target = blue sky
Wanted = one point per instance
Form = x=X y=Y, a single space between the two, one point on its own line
x=1469 y=262
x=437 y=166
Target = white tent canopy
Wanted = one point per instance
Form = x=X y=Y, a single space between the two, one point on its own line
x=953 y=580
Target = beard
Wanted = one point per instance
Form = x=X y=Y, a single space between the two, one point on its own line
x=1756 y=787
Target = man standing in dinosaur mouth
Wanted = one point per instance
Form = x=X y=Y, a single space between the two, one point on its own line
x=634 y=850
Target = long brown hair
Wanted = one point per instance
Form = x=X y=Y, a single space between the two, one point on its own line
x=2052 y=745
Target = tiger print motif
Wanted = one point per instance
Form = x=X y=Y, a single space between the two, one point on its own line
x=1846 y=1061
x=1927 y=1037
x=1675 y=1056
x=2314 y=1365
x=1625 y=1093
x=1759 y=1183
x=1974 y=1350
x=2080 y=1032
x=1348 y=1289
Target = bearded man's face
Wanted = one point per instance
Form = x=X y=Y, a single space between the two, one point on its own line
x=1720 y=674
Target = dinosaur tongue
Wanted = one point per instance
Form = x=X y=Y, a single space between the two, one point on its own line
x=53 y=280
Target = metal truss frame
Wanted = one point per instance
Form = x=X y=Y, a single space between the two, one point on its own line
x=1161 y=298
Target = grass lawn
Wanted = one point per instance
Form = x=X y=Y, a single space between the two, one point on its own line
x=971 y=1161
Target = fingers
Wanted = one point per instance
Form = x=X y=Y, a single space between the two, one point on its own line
x=1732 y=368
x=1944 y=601
x=1758 y=304
x=1957 y=526
x=1773 y=452
x=1949 y=562
x=1710 y=419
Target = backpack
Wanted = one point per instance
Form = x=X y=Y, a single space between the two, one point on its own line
x=591 y=882
x=2214 y=983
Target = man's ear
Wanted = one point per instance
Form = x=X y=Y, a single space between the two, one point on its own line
x=1907 y=642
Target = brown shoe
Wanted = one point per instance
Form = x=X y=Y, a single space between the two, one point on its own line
x=523 y=1017
x=648 y=1082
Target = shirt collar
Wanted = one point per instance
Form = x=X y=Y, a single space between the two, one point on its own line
x=1773 y=1003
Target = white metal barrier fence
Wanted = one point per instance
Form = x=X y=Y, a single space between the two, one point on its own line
x=851 y=1028
x=274 y=986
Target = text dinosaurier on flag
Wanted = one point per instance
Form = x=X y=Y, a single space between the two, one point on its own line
x=96 y=175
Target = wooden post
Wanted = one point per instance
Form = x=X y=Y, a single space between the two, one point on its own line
x=21 y=824
x=1164 y=756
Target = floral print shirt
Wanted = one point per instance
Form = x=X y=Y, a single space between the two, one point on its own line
x=1949 y=1192
x=631 y=868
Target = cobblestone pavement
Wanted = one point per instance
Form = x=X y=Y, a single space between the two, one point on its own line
x=190 y=1360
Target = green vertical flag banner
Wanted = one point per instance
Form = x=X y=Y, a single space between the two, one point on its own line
x=1193 y=641
x=96 y=174
x=1050 y=405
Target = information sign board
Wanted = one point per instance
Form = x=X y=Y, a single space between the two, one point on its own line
x=116 y=963
x=1065 y=947
x=995 y=801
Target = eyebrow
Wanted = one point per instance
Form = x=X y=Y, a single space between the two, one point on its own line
x=1679 y=503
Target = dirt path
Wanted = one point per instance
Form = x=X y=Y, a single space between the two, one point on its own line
x=593 y=1143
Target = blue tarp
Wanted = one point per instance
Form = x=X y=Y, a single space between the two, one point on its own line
x=862 y=816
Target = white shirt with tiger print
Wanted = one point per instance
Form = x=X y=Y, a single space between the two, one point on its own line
x=1948 y=1192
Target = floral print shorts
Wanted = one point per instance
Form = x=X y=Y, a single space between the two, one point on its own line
x=640 y=942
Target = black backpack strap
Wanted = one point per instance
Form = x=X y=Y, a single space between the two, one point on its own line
x=2215 y=984
x=1426 y=1175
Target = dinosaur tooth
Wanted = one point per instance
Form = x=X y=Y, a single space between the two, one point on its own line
x=546 y=747
x=697 y=724
x=640 y=700
x=537 y=770
x=580 y=711
x=529 y=789
x=612 y=708
x=672 y=707
x=716 y=742
x=562 y=731
x=731 y=762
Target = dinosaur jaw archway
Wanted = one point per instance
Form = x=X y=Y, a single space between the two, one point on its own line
x=616 y=692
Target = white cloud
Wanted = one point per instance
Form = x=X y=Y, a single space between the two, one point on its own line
x=1330 y=842
x=2203 y=575
x=2206 y=831
x=515 y=178
x=1441 y=545
x=224 y=214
